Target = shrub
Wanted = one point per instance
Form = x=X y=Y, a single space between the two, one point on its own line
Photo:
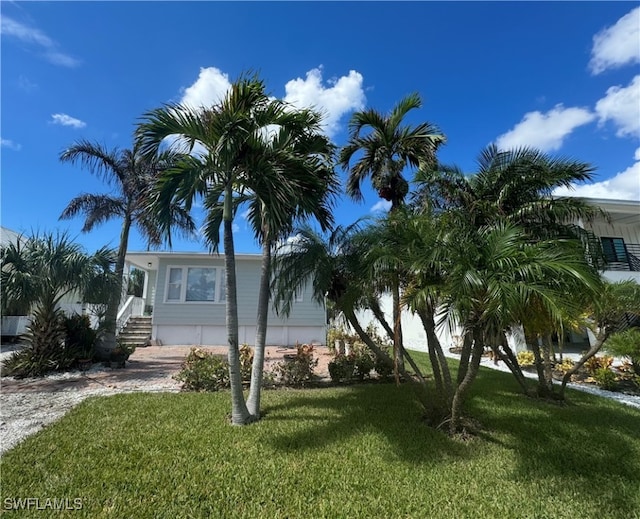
x=246 y=362
x=626 y=344
x=342 y=368
x=564 y=366
x=605 y=378
x=45 y=348
x=203 y=371
x=363 y=362
x=526 y=358
x=297 y=371
x=383 y=367
x=595 y=363
x=80 y=337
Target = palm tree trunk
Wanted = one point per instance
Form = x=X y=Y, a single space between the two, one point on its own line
x=398 y=363
x=108 y=342
x=253 y=402
x=543 y=388
x=465 y=355
x=601 y=336
x=511 y=361
x=436 y=355
x=239 y=412
x=472 y=372
x=379 y=315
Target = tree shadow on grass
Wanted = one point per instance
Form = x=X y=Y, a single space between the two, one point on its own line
x=589 y=442
x=344 y=413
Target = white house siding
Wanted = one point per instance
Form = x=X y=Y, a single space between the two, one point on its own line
x=204 y=323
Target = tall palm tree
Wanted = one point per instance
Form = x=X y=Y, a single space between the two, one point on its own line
x=133 y=178
x=387 y=146
x=301 y=157
x=40 y=272
x=234 y=163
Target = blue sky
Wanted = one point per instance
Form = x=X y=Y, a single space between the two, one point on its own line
x=564 y=77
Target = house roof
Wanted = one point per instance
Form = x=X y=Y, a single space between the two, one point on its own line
x=148 y=260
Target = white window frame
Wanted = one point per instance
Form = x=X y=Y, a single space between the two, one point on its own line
x=219 y=279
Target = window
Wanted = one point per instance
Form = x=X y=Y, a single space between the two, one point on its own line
x=174 y=287
x=614 y=250
x=201 y=284
x=195 y=285
x=299 y=296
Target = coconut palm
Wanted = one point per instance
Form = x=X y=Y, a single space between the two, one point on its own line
x=233 y=163
x=38 y=274
x=133 y=178
x=387 y=146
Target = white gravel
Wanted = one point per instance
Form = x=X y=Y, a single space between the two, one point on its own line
x=24 y=413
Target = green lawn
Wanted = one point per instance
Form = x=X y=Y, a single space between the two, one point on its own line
x=354 y=452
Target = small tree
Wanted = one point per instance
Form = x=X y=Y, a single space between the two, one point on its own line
x=38 y=274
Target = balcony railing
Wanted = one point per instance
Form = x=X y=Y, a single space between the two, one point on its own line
x=631 y=262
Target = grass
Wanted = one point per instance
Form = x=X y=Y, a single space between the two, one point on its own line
x=356 y=452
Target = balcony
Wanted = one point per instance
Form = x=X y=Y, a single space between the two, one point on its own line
x=627 y=260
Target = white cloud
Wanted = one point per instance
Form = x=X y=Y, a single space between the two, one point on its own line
x=545 y=131
x=617 y=45
x=235 y=227
x=623 y=186
x=33 y=36
x=622 y=106
x=27 y=85
x=8 y=143
x=67 y=120
x=382 y=205
x=341 y=96
x=209 y=89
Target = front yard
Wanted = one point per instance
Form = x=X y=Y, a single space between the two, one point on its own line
x=358 y=451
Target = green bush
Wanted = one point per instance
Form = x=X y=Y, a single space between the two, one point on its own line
x=526 y=358
x=341 y=368
x=298 y=371
x=384 y=367
x=605 y=378
x=364 y=362
x=203 y=371
x=80 y=337
x=626 y=344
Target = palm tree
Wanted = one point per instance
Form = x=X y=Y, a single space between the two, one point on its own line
x=235 y=164
x=133 y=177
x=612 y=309
x=513 y=185
x=387 y=147
x=39 y=273
x=301 y=157
x=497 y=277
x=336 y=267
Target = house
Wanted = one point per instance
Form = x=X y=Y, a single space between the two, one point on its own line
x=184 y=294
x=620 y=238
